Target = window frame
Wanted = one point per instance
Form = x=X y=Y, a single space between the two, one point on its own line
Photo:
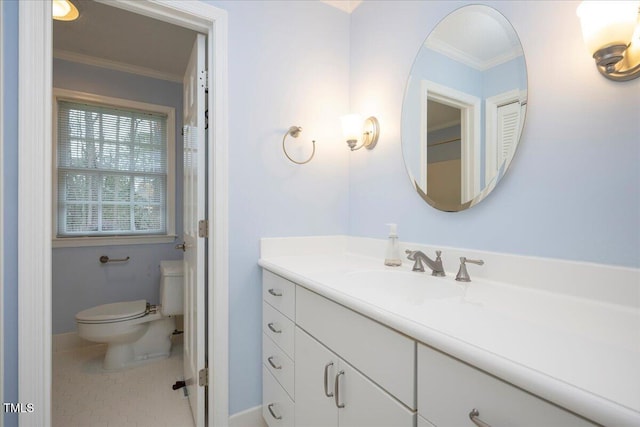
x=125 y=239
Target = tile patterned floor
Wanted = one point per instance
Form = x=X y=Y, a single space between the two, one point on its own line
x=85 y=396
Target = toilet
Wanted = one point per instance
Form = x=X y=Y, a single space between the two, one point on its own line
x=135 y=331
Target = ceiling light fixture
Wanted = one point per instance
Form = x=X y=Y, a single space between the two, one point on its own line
x=64 y=10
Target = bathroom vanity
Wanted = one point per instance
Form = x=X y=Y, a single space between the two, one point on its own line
x=348 y=341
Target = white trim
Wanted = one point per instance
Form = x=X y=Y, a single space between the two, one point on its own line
x=114 y=65
x=251 y=417
x=444 y=48
x=34 y=243
x=218 y=248
x=2 y=310
x=34 y=211
x=79 y=242
x=72 y=95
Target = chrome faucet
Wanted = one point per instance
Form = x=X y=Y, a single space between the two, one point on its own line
x=419 y=257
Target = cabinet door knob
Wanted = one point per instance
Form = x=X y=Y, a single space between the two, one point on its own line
x=473 y=416
x=273 y=414
x=337 y=390
x=326 y=379
x=273 y=328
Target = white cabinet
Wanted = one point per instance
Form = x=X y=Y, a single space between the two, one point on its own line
x=330 y=392
x=382 y=354
x=278 y=316
x=449 y=390
x=328 y=375
x=325 y=365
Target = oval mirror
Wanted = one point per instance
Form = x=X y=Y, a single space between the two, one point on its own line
x=464 y=107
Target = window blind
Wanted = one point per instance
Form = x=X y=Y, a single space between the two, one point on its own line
x=112 y=171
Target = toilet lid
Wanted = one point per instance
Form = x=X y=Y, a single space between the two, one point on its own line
x=114 y=312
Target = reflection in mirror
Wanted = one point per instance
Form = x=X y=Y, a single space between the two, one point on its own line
x=443 y=153
x=464 y=108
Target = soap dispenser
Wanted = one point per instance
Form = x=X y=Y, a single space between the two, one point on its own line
x=392 y=257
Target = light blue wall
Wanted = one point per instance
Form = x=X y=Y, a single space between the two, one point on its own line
x=573 y=190
x=10 y=205
x=79 y=281
x=288 y=65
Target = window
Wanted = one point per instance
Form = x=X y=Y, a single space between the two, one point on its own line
x=114 y=169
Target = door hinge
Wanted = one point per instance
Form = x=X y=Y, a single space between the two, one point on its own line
x=203 y=377
x=204 y=77
x=203 y=228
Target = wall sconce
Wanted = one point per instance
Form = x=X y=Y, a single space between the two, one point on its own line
x=609 y=29
x=355 y=129
x=64 y=10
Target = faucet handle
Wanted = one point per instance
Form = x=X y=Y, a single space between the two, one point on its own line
x=463 y=274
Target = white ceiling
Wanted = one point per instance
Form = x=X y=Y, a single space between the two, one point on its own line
x=476 y=36
x=112 y=37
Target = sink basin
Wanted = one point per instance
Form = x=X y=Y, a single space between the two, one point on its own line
x=400 y=286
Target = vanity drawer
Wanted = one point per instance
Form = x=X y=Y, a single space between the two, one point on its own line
x=279 y=364
x=280 y=293
x=448 y=390
x=382 y=354
x=278 y=409
x=277 y=327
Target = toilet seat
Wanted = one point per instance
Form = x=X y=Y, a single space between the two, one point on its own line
x=114 y=312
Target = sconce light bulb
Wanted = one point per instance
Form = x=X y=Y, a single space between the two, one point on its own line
x=607 y=23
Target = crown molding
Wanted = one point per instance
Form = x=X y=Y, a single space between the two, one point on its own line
x=114 y=65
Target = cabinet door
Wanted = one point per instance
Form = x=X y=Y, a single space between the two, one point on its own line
x=313 y=407
x=366 y=404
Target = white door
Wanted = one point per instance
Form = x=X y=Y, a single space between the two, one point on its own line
x=194 y=211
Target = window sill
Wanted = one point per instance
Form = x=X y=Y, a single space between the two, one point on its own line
x=77 y=242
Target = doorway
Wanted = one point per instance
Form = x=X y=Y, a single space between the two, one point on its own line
x=35 y=130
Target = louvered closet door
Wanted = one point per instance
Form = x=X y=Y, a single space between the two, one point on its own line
x=508 y=131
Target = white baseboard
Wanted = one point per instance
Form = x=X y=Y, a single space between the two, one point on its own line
x=250 y=418
x=69 y=341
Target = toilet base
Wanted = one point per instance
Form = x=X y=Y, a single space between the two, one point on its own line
x=154 y=344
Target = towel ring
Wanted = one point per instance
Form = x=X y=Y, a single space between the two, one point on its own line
x=294 y=131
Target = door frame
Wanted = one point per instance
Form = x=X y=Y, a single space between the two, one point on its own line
x=34 y=204
x=470 y=134
x=2 y=211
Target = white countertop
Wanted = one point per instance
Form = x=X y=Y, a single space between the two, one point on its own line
x=579 y=353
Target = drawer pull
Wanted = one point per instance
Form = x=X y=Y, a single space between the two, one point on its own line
x=337 y=390
x=270 y=360
x=273 y=328
x=275 y=292
x=273 y=414
x=473 y=416
x=326 y=380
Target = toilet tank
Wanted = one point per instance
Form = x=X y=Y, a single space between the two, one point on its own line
x=171 y=288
